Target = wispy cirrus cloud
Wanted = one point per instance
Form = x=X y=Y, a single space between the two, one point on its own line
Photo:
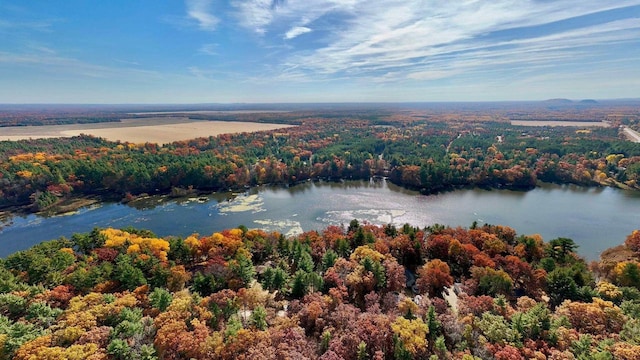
x=40 y=25
x=201 y=12
x=261 y=16
x=428 y=40
x=48 y=61
x=254 y=14
x=40 y=48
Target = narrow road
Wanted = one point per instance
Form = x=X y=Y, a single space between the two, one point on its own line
x=632 y=134
x=449 y=146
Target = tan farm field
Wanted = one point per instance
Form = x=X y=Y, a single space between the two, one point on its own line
x=560 y=123
x=160 y=130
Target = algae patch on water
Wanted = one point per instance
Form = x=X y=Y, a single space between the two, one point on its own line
x=374 y=216
x=286 y=227
x=244 y=203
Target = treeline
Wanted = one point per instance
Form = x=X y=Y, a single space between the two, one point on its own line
x=40 y=119
x=427 y=156
x=362 y=292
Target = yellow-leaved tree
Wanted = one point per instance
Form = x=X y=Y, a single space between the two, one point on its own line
x=410 y=337
x=135 y=243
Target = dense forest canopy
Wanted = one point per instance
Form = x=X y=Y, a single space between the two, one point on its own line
x=356 y=292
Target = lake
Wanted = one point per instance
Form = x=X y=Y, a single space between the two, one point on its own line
x=595 y=218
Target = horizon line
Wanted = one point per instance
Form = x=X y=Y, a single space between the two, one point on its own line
x=325 y=102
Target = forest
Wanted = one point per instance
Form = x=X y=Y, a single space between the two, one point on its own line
x=420 y=152
x=356 y=292
x=360 y=291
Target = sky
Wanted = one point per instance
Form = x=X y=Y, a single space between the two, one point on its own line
x=287 y=51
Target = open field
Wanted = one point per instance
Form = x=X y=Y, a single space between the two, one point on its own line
x=559 y=123
x=210 y=112
x=632 y=134
x=161 y=130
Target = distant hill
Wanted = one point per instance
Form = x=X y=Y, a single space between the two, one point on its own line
x=568 y=101
x=558 y=101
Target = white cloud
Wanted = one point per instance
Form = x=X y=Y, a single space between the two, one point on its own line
x=296 y=31
x=260 y=15
x=469 y=47
x=431 y=39
x=200 y=11
x=255 y=14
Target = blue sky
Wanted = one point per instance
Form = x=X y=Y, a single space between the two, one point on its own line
x=214 y=51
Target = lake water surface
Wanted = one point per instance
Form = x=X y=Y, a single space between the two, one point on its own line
x=595 y=218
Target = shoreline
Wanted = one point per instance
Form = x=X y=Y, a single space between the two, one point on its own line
x=77 y=202
x=345 y=200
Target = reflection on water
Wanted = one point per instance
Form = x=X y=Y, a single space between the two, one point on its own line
x=596 y=218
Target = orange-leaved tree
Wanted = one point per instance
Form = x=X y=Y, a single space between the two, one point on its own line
x=433 y=277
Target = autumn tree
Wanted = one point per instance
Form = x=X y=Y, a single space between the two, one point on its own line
x=633 y=241
x=594 y=318
x=410 y=338
x=395 y=275
x=627 y=273
x=434 y=277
